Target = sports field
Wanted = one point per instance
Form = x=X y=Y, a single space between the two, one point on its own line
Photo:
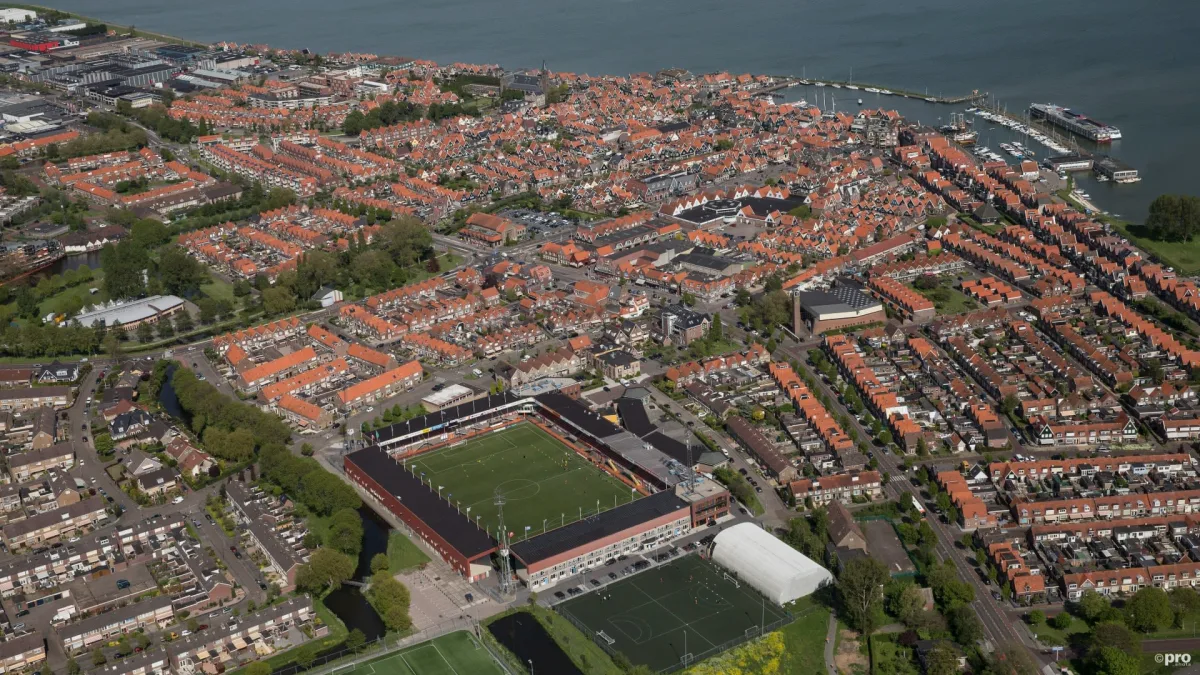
x=452 y=654
x=546 y=484
x=687 y=607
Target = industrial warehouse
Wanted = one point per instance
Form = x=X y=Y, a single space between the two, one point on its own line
x=464 y=479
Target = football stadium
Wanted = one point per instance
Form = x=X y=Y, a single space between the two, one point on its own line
x=577 y=489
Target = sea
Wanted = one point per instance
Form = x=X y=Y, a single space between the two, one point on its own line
x=1129 y=64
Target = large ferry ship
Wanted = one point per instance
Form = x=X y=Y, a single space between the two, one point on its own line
x=1068 y=119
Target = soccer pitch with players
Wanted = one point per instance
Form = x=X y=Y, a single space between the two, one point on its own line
x=545 y=483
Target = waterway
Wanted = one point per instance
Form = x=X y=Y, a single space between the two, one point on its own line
x=1128 y=64
x=522 y=635
x=348 y=602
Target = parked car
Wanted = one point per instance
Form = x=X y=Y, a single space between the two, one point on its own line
x=122 y=584
x=560 y=595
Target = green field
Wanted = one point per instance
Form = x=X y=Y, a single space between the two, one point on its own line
x=689 y=607
x=453 y=654
x=546 y=484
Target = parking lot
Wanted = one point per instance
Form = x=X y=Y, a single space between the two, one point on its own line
x=537 y=222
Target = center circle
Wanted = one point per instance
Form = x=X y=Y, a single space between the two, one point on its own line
x=519 y=488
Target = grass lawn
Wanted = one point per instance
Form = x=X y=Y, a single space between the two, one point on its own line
x=218 y=289
x=1051 y=636
x=452 y=654
x=1184 y=256
x=546 y=483
x=948 y=300
x=797 y=648
x=403 y=554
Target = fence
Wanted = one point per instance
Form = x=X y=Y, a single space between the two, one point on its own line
x=346 y=659
x=692 y=658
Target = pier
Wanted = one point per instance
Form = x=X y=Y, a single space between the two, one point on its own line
x=971 y=97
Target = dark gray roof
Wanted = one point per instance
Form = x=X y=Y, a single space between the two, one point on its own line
x=843 y=296
x=419 y=423
x=574 y=412
x=456 y=529
x=606 y=523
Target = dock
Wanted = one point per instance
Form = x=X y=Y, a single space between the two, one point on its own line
x=971 y=97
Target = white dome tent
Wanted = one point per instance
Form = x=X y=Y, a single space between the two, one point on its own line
x=770 y=566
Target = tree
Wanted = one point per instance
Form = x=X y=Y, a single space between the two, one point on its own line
x=98 y=657
x=183 y=322
x=1173 y=218
x=1036 y=617
x=355 y=639
x=166 y=327
x=278 y=300
x=905 y=602
x=124 y=265
x=391 y=599
x=1116 y=634
x=860 y=587
x=1185 y=602
x=1149 y=610
x=716 y=330
x=346 y=531
x=1061 y=621
x=965 y=625
x=180 y=273
x=326 y=568
x=73 y=667
x=941 y=660
x=1113 y=661
x=379 y=563
x=1093 y=606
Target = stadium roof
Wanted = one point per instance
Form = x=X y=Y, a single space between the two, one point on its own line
x=434 y=419
x=574 y=412
x=775 y=569
x=634 y=417
x=466 y=537
x=606 y=523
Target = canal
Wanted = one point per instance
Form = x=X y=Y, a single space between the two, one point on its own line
x=348 y=602
x=522 y=635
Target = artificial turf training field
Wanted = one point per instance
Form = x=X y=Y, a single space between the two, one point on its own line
x=544 y=481
x=646 y=615
x=452 y=654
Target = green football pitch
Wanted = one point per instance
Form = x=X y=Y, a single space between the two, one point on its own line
x=545 y=483
x=674 y=614
x=453 y=654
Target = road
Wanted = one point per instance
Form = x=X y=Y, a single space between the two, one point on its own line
x=1000 y=626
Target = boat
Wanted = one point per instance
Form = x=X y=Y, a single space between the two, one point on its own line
x=860 y=101
x=820 y=84
x=835 y=85
x=871 y=90
x=965 y=137
x=1074 y=122
x=931 y=99
x=852 y=86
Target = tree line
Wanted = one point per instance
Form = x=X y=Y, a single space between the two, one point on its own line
x=1173 y=218
x=229 y=429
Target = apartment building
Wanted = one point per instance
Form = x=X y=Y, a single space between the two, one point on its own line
x=154 y=661
x=54 y=525
x=222 y=643
x=558 y=363
x=29 y=465
x=270 y=525
x=32 y=397
x=845 y=488
x=153 y=614
x=25 y=652
x=385 y=385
